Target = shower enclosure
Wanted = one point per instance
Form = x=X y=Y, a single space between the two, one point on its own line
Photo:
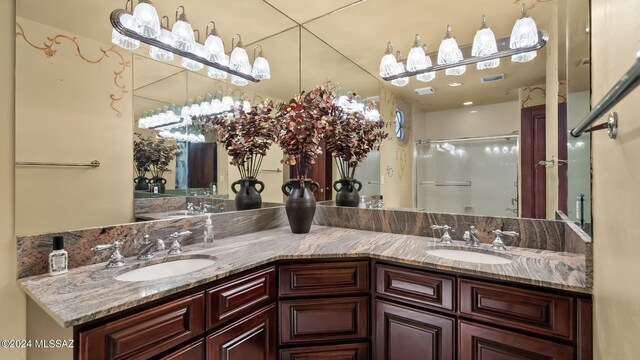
x=468 y=176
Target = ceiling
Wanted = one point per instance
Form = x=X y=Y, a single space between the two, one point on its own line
x=339 y=40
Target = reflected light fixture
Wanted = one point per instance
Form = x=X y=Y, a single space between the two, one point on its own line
x=165 y=37
x=261 y=69
x=198 y=50
x=416 y=59
x=182 y=32
x=145 y=19
x=449 y=53
x=523 y=35
x=484 y=44
x=213 y=45
x=123 y=41
x=388 y=63
x=426 y=77
x=455 y=84
x=399 y=69
x=239 y=60
x=217 y=73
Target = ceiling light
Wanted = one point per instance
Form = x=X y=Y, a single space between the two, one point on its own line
x=166 y=38
x=484 y=44
x=182 y=32
x=388 y=63
x=213 y=45
x=449 y=53
x=239 y=60
x=399 y=69
x=426 y=77
x=261 y=69
x=523 y=35
x=455 y=84
x=416 y=59
x=123 y=41
x=145 y=19
x=467 y=103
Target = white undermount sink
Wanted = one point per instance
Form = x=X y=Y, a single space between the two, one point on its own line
x=165 y=270
x=469 y=256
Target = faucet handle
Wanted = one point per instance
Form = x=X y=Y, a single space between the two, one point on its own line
x=445 y=238
x=176 y=248
x=497 y=243
x=116 y=259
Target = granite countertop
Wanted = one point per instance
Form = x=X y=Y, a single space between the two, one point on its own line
x=90 y=292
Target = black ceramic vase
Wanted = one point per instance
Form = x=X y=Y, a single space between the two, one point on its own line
x=142 y=183
x=248 y=196
x=347 y=192
x=301 y=204
x=158 y=182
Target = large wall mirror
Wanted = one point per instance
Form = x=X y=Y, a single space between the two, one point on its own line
x=471 y=144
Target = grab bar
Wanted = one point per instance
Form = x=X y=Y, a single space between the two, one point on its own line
x=94 y=164
x=624 y=86
x=445 y=183
x=277 y=170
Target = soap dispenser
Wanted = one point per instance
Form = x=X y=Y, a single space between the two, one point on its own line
x=58 y=258
x=208 y=231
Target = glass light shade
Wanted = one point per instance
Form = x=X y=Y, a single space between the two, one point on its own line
x=416 y=60
x=246 y=106
x=455 y=71
x=239 y=60
x=449 y=52
x=484 y=44
x=261 y=69
x=205 y=108
x=213 y=47
x=216 y=73
x=524 y=33
x=185 y=112
x=192 y=64
x=145 y=19
x=524 y=57
x=227 y=103
x=388 y=65
x=183 y=38
x=216 y=106
x=238 y=81
x=426 y=77
x=159 y=54
x=400 y=81
x=125 y=42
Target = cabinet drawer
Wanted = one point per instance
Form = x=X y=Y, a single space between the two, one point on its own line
x=328 y=352
x=238 y=297
x=479 y=342
x=415 y=287
x=324 y=278
x=405 y=333
x=252 y=338
x=147 y=333
x=540 y=312
x=323 y=320
x=190 y=352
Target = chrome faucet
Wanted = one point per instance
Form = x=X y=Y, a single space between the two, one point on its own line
x=116 y=259
x=149 y=248
x=497 y=243
x=445 y=238
x=176 y=248
x=471 y=237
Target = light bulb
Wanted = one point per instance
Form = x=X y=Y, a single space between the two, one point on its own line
x=388 y=63
x=449 y=53
x=416 y=59
x=145 y=19
x=484 y=44
x=123 y=41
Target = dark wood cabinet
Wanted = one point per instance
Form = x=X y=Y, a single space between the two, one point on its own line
x=320 y=279
x=584 y=333
x=147 y=333
x=358 y=351
x=233 y=299
x=481 y=342
x=253 y=337
x=322 y=320
x=193 y=351
x=536 y=311
x=416 y=287
x=403 y=333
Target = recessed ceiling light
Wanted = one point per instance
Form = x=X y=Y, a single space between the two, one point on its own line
x=473 y=111
x=455 y=84
x=467 y=103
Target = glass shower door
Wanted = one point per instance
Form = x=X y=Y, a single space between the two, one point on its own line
x=468 y=176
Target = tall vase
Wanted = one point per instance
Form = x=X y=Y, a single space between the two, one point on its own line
x=301 y=204
x=248 y=196
x=159 y=183
x=142 y=183
x=347 y=192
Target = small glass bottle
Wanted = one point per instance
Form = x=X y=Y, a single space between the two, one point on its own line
x=208 y=231
x=58 y=258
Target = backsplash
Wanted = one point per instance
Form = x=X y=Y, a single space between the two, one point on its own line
x=159 y=204
x=33 y=250
x=534 y=233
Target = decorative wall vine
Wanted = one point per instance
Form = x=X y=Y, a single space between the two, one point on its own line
x=48 y=48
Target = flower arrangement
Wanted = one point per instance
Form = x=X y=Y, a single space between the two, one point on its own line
x=350 y=138
x=245 y=135
x=301 y=127
x=153 y=155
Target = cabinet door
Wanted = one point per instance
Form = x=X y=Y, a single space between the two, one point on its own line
x=480 y=342
x=193 y=351
x=403 y=333
x=327 y=352
x=253 y=337
x=147 y=333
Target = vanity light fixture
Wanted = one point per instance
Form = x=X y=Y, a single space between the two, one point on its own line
x=524 y=35
x=388 y=63
x=455 y=84
x=484 y=44
x=399 y=69
x=428 y=76
x=416 y=59
x=450 y=53
x=145 y=19
x=261 y=69
x=131 y=30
